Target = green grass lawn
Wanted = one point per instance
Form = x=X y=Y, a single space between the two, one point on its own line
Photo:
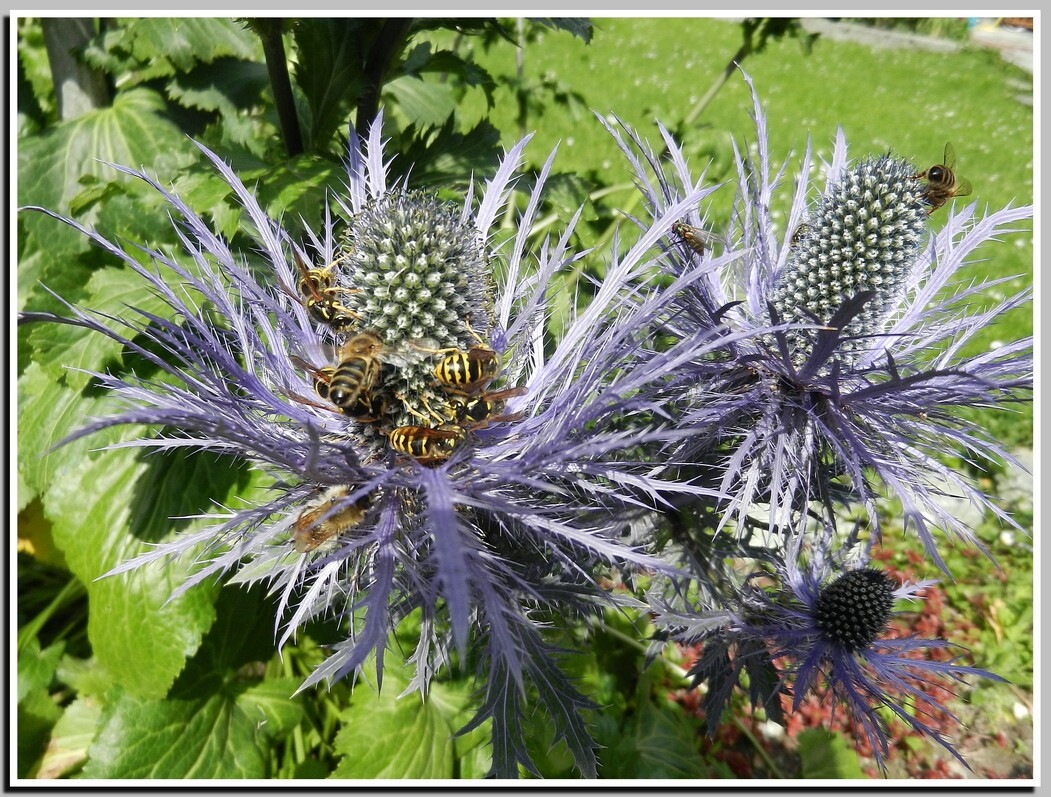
x=907 y=101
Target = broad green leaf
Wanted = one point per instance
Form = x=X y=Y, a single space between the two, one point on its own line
x=135 y=633
x=70 y=738
x=226 y=86
x=330 y=56
x=207 y=737
x=36 y=668
x=271 y=704
x=424 y=103
x=206 y=192
x=446 y=62
x=185 y=41
x=217 y=722
x=827 y=755
x=652 y=741
x=442 y=156
x=84 y=676
x=387 y=736
x=296 y=188
x=90 y=498
x=47 y=412
x=133 y=131
x=61 y=349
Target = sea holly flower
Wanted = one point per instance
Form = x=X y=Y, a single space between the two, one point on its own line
x=431 y=452
x=814 y=621
x=844 y=367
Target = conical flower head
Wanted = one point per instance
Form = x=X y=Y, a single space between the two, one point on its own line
x=410 y=286
x=854 y=609
x=864 y=235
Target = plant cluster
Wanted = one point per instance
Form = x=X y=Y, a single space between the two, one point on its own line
x=419 y=465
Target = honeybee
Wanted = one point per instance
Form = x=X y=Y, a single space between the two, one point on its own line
x=942 y=182
x=467 y=371
x=349 y=382
x=485 y=408
x=694 y=237
x=331 y=516
x=427 y=446
x=321 y=297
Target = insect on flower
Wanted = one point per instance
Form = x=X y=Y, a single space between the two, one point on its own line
x=321 y=297
x=485 y=408
x=942 y=182
x=331 y=516
x=427 y=446
x=694 y=237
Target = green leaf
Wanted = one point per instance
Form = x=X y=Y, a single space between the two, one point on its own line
x=37 y=711
x=91 y=499
x=70 y=738
x=33 y=61
x=136 y=634
x=331 y=55
x=424 y=103
x=36 y=668
x=827 y=755
x=296 y=188
x=580 y=27
x=226 y=86
x=653 y=741
x=61 y=349
x=217 y=722
x=132 y=131
x=209 y=737
x=387 y=736
x=271 y=705
x=442 y=156
x=186 y=41
x=207 y=194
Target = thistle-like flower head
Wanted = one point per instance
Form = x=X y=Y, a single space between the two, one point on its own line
x=431 y=452
x=864 y=236
x=814 y=620
x=842 y=367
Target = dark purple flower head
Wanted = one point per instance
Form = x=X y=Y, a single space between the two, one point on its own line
x=430 y=453
x=813 y=618
x=842 y=369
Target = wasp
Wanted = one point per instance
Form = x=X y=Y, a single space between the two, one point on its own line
x=942 y=182
x=467 y=371
x=321 y=297
x=427 y=446
x=694 y=237
x=331 y=515
x=485 y=408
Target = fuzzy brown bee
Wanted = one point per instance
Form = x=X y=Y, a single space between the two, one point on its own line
x=427 y=446
x=942 y=182
x=330 y=516
x=467 y=371
x=321 y=297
